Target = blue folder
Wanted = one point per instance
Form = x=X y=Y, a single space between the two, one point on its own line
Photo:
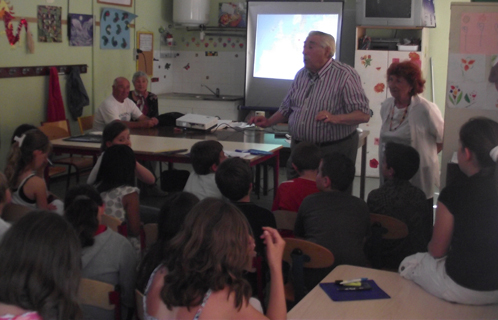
x=335 y=294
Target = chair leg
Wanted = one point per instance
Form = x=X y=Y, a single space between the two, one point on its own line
x=68 y=181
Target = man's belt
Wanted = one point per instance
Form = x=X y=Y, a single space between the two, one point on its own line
x=329 y=143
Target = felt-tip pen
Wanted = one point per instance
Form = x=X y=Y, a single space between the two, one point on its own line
x=351 y=281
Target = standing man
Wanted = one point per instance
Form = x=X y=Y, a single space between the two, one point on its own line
x=118 y=107
x=325 y=103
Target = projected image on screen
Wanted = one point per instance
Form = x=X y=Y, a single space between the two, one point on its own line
x=278 y=52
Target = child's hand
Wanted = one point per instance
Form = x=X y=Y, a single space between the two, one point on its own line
x=51 y=207
x=275 y=246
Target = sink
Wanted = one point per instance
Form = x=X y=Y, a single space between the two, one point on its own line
x=203 y=96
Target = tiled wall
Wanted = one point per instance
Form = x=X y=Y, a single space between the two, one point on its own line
x=189 y=69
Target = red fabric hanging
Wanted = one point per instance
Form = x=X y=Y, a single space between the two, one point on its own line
x=55 y=107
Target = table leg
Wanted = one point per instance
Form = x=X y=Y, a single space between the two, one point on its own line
x=265 y=179
x=276 y=173
x=257 y=180
x=363 y=169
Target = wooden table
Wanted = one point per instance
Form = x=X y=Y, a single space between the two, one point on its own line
x=153 y=147
x=408 y=301
x=184 y=139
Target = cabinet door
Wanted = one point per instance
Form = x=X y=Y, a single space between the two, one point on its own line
x=372 y=66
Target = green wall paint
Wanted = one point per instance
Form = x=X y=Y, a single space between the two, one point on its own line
x=24 y=100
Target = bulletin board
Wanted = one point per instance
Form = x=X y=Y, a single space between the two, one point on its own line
x=145 y=42
x=472 y=53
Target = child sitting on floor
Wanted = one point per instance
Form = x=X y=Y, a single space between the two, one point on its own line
x=290 y=194
x=206 y=156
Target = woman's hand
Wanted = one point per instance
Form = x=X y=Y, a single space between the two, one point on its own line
x=275 y=246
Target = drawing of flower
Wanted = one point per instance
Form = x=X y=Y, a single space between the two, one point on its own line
x=467 y=64
x=413 y=56
x=379 y=87
x=365 y=60
x=455 y=95
x=374 y=163
x=470 y=98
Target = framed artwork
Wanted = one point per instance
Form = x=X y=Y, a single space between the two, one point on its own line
x=125 y=3
x=49 y=24
x=80 y=29
x=115 y=28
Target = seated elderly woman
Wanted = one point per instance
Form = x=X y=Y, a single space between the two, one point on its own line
x=145 y=100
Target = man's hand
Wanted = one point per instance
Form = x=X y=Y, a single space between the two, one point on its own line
x=260 y=121
x=354 y=118
x=155 y=121
x=326 y=116
x=151 y=123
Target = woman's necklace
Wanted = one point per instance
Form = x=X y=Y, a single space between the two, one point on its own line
x=392 y=117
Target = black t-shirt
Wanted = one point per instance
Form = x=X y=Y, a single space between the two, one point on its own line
x=472 y=260
x=258 y=218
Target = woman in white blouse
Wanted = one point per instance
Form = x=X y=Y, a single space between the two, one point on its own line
x=410 y=119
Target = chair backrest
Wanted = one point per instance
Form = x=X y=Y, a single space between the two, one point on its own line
x=54 y=132
x=302 y=254
x=63 y=124
x=395 y=229
x=13 y=212
x=320 y=257
x=285 y=219
x=111 y=222
x=139 y=302
x=101 y=295
x=151 y=231
x=85 y=123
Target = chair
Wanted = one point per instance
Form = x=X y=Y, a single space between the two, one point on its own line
x=13 y=212
x=100 y=294
x=302 y=254
x=383 y=227
x=139 y=302
x=86 y=123
x=285 y=222
x=150 y=232
x=60 y=129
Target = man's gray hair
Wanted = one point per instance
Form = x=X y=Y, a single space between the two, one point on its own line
x=115 y=82
x=326 y=41
x=139 y=74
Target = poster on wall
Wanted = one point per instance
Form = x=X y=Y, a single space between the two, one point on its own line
x=232 y=15
x=49 y=24
x=473 y=71
x=115 y=28
x=126 y=3
x=80 y=29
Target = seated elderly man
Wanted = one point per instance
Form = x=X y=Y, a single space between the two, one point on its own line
x=118 y=107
